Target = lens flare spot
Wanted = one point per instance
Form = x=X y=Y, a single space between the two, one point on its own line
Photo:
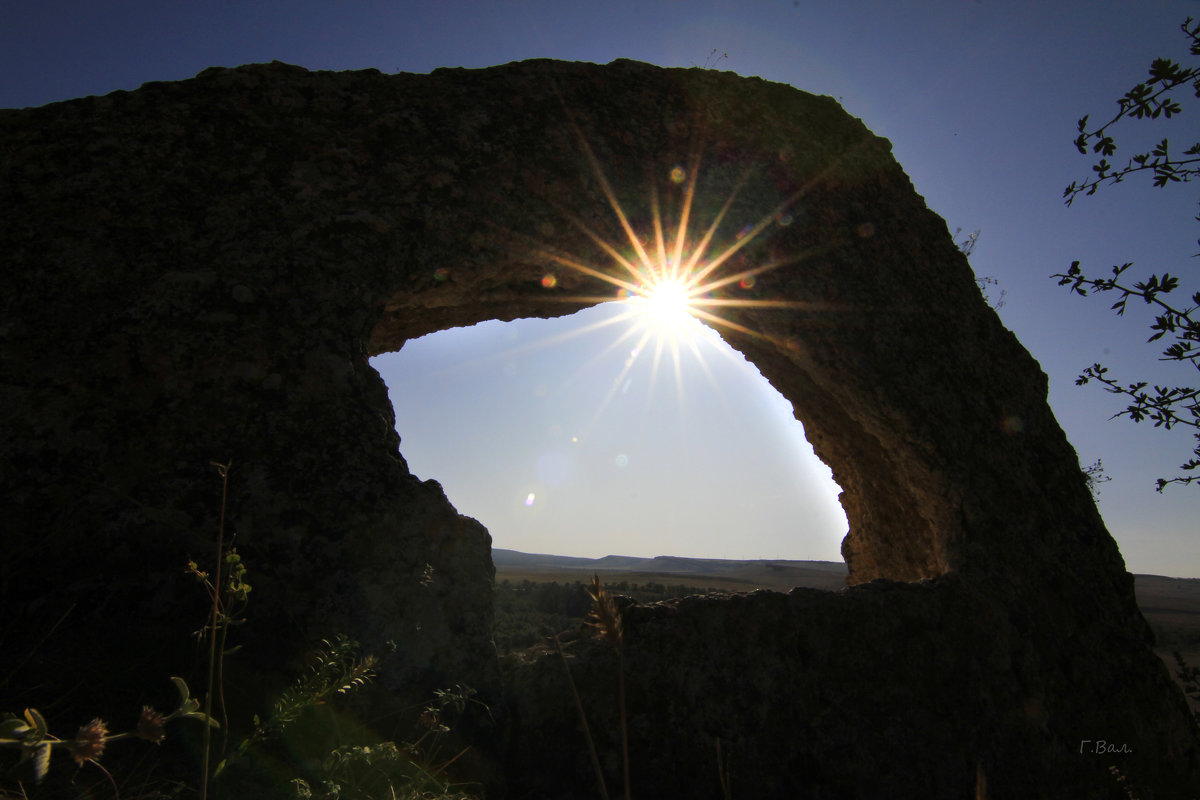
x=678 y=175
x=549 y=281
x=621 y=460
x=747 y=282
x=529 y=498
x=555 y=468
x=1012 y=424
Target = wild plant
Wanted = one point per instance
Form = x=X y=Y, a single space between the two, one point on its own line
x=230 y=602
x=1123 y=782
x=30 y=735
x=587 y=729
x=413 y=770
x=605 y=617
x=335 y=668
x=228 y=597
x=723 y=773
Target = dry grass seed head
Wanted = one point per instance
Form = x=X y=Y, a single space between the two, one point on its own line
x=605 y=617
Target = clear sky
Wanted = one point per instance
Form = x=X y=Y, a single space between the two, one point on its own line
x=540 y=430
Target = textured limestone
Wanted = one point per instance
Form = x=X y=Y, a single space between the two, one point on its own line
x=198 y=272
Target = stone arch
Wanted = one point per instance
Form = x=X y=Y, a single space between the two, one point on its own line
x=876 y=282
x=201 y=270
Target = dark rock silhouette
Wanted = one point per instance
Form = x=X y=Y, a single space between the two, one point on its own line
x=197 y=272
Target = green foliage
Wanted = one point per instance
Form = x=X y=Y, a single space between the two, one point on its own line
x=335 y=669
x=413 y=770
x=373 y=772
x=1151 y=99
x=1165 y=406
x=358 y=771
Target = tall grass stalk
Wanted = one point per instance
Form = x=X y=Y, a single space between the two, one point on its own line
x=723 y=773
x=606 y=619
x=587 y=730
x=213 y=644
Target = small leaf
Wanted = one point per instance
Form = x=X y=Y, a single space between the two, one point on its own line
x=200 y=715
x=37 y=722
x=182 y=686
x=13 y=728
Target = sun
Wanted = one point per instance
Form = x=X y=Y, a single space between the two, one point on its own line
x=682 y=279
x=664 y=304
x=675 y=278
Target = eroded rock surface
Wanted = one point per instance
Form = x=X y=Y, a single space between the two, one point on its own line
x=197 y=272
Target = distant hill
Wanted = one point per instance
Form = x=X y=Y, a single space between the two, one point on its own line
x=515 y=558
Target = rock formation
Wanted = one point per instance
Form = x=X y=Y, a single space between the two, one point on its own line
x=197 y=272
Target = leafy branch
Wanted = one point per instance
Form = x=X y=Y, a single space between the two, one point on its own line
x=1151 y=99
x=336 y=668
x=1165 y=406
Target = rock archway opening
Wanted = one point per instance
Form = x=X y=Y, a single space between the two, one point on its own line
x=600 y=434
x=760 y=241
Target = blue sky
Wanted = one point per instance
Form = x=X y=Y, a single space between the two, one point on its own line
x=980 y=101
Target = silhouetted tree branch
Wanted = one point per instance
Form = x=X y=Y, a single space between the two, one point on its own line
x=1165 y=406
